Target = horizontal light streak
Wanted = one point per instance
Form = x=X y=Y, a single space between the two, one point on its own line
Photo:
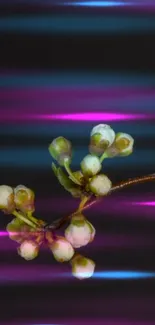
x=147 y=203
x=40 y=158
x=44 y=273
x=99 y=3
x=102 y=241
x=104 y=3
x=78 y=93
x=74 y=79
x=73 y=117
x=87 y=117
x=77 y=24
x=123 y=275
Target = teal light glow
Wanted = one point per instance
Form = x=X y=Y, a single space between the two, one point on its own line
x=98 y=3
x=123 y=275
x=77 y=24
x=74 y=79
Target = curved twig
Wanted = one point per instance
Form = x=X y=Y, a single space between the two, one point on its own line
x=60 y=222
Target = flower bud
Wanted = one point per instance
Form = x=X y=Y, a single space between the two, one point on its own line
x=24 y=198
x=80 y=232
x=61 y=150
x=82 y=267
x=28 y=250
x=6 y=198
x=101 y=137
x=122 y=146
x=90 y=165
x=124 y=143
x=100 y=185
x=18 y=230
x=62 y=249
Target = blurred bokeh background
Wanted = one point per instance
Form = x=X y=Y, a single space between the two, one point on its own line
x=65 y=67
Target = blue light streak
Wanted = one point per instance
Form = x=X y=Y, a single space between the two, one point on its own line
x=123 y=275
x=98 y=4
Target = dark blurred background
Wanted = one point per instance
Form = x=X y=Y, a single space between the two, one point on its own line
x=64 y=68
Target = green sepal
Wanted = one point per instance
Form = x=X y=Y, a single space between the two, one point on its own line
x=64 y=179
x=67 y=183
x=76 y=192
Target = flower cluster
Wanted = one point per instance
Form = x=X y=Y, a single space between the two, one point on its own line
x=88 y=181
x=20 y=198
x=104 y=143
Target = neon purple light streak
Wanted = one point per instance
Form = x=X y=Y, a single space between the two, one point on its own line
x=4 y=234
x=102 y=241
x=151 y=203
x=93 y=117
x=85 y=117
x=59 y=93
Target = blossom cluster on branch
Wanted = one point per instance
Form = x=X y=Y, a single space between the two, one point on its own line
x=87 y=182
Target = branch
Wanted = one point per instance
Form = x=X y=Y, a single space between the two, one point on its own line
x=143 y=179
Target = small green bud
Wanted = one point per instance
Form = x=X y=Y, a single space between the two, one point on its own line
x=124 y=143
x=90 y=165
x=61 y=150
x=24 y=198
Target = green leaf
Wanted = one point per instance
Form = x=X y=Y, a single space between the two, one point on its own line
x=64 y=179
x=54 y=168
x=68 y=184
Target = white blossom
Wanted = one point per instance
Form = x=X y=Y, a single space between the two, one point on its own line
x=82 y=267
x=28 y=250
x=90 y=165
x=80 y=232
x=105 y=131
x=62 y=250
x=5 y=193
x=100 y=184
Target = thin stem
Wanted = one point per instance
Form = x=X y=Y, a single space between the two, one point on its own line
x=123 y=184
x=84 y=200
x=132 y=181
x=137 y=180
x=32 y=218
x=21 y=217
x=69 y=171
x=103 y=157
